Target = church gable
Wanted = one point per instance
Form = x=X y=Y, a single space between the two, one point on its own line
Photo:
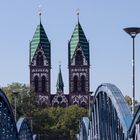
x=79 y=58
x=60 y=100
x=81 y=100
x=39 y=58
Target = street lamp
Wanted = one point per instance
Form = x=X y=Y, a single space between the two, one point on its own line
x=15 y=93
x=89 y=106
x=90 y=93
x=133 y=31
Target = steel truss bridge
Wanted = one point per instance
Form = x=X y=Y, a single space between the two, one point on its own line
x=110 y=117
x=9 y=129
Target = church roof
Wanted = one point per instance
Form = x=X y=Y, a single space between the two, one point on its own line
x=78 y=38
x=40 y=38
x=60 y=84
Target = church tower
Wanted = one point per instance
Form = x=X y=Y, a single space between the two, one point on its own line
x=78 y=64
x=60 y=99
x=60 y=84
x=40 y=65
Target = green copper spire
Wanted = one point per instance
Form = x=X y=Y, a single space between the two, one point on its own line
x=60 y=84
x=40 y=38
x=78 y=38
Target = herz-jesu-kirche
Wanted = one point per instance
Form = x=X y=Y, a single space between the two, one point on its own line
x=78 y=66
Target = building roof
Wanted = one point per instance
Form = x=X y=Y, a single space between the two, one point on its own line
x=78 y=38
x=60 y=84
x=40 y=38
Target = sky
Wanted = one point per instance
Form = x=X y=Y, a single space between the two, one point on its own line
x=102 y=21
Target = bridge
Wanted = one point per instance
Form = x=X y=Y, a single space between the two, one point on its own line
x=110 y=117
x=9 y=129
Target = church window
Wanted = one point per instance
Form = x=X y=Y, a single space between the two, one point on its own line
x=83 y=83
x=36 y=83
x=39 y=59
x=79 y=58
x=43 y=83
x=75 y=82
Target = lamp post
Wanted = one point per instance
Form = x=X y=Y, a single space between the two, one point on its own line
x=133 y=31
x=90 y=93
x=89 y=115
x=15 y=93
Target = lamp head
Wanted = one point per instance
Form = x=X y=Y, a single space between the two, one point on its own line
x=132 y=31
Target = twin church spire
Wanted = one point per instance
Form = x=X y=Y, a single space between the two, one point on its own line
x=78 y=64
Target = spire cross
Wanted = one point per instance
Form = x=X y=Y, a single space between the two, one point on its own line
x=59 y=64
x=78 y=13
x=40 y=11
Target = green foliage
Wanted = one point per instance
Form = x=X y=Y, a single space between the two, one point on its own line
x=71 y=118
x=58 y=123
x=24 y=99
x=128 y=100
x=50 y=123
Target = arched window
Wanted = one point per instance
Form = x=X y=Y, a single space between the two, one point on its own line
x=83 y=80
x=75 y=82
x=39 y=59
x=36 y=83
x=75 y=103
x=43 y=83
x=79 y=58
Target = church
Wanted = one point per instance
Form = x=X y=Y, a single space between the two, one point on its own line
x=78 y=66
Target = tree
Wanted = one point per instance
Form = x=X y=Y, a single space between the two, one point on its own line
x=58 y=123
x=49 y=123
x=25 y=98
x=128 y=100
x=71 y=119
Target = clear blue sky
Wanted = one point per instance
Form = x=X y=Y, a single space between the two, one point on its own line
x=102 y=22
